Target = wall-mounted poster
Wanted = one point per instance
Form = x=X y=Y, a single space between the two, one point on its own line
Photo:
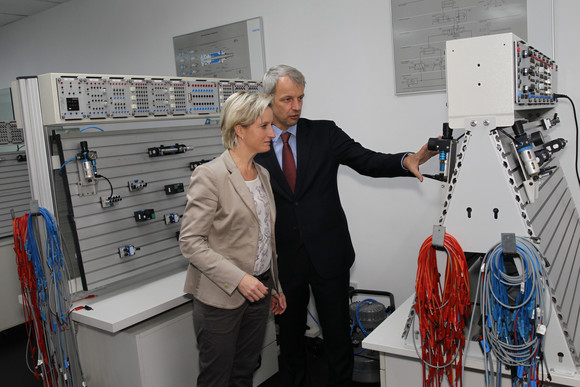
x=421 y=28
x=234 y=51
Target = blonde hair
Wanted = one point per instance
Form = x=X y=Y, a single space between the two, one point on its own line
x=241 y=108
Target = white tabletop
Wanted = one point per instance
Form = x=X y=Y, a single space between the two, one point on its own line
x=124 y=307
x=387 y=338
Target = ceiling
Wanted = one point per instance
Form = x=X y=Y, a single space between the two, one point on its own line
x=14 y=10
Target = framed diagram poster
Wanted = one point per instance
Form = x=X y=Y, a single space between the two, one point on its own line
x=421 y=28
x=234 y=51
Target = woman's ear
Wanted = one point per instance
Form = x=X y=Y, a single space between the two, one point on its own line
x=239 y=130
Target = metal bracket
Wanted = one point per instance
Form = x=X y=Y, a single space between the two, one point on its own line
x=438 y=240
x=508 y=244
x=409 y=322
x=34 y=207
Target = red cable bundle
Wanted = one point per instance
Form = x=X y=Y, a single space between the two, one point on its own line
x=442 y=312
x=28 y=287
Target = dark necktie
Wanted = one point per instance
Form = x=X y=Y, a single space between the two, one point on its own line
x=288 y=165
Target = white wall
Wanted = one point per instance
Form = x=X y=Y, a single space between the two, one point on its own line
x=343 y=47
x=566 y=30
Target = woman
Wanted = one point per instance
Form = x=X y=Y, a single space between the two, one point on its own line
x=227 y=234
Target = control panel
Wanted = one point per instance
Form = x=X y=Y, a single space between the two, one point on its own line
x=78 y=97
x=10 y=133
x=535 y=76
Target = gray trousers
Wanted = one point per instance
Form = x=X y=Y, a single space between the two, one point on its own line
x=230 y=342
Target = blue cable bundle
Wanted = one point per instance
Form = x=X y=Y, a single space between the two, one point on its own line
x=59 y=363
x=515 y=312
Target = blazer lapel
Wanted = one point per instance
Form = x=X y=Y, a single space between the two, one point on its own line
x=238 y=183
x=304 y=148
x=277 y=178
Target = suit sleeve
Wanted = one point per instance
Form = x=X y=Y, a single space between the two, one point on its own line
x=198 y=220
x=365 y=161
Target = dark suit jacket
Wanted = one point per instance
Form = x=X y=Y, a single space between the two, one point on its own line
x=314 y=213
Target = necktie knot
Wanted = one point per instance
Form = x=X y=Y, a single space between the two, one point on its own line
x=285 y=137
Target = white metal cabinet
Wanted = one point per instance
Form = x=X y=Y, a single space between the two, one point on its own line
x=158 y=352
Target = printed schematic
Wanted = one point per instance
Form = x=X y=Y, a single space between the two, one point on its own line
x=232 y=51
x=421 y=28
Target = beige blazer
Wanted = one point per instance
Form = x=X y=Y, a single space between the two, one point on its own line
x=219 y=232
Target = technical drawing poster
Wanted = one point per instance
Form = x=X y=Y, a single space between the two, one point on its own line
x=234 y=51
x=421 y=28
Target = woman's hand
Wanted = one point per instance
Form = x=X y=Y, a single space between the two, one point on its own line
x=252 y=288
x=278 y=303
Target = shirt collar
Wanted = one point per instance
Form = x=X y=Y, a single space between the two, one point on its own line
x=279 y=131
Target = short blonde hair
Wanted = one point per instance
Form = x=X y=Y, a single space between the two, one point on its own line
x=241 y=108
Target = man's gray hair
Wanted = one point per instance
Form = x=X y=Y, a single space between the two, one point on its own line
x=275 y=72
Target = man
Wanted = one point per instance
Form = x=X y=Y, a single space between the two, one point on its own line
x=312 y=238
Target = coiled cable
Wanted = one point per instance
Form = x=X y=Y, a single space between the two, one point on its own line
x=515 y=311
x=442 y=312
